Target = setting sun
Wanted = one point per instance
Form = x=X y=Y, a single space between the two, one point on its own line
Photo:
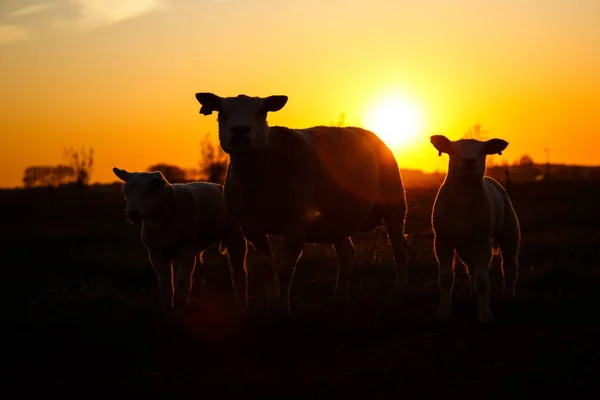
x=395 y=120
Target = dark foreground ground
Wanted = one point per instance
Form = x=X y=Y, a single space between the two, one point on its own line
x=81 y=313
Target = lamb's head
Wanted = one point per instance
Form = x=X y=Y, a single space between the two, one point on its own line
x=242 y=119
x=467 y=156
x=145 y=193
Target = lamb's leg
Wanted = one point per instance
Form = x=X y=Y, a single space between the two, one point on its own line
x=478 y=256
x=184 y=271
x=394 y=217
x=164 y=273
x=345 y=254
x=444 y=255
x=509 y=245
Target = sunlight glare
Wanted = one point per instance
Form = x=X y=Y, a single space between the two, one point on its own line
x=395 y=120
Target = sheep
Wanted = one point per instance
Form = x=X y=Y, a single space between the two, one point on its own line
x=178 y=223
x=315 y=185
x=473 y=219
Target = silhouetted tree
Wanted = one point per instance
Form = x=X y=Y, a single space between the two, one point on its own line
x=61 y=174
x=52 y=176
x=49 y=177
x=526 y=159
x=173 y=173
x=213 y=160
x=82 y=162
x=476 y=132
x=527 y=169
x=36 y=176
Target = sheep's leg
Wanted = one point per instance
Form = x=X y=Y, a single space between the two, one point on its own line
x=478 y=256
x=444 y=255
x=164 y=273
x=184 y=271
x=394 y=217
x=292 y=250
x=198 y=278
x=236 y=251
x=345 y=254
x=266 y=261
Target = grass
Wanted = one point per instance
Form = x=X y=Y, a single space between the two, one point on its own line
x=82 y=312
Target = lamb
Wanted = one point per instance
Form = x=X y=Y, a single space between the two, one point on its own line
x=179 y=222
x=315 y=185
x=473 y=219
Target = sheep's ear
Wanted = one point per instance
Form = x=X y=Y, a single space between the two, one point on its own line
x=122 y=174
x=210 y=103
x=495 y=146
x=274 y=103
x=441 y=143
x=159 y=180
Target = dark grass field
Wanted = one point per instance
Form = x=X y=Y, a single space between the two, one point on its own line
x=81 y=312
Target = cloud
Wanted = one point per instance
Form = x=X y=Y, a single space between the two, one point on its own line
x=13 y=33
x=32 y=9
x=93 y=14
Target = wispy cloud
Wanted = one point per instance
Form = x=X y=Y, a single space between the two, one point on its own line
x=93 y=14
x=13 y=33
x=32 y=9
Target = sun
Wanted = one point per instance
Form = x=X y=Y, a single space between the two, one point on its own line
x=395 y=120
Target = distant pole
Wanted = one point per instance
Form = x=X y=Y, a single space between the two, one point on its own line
x=507 y=178
x=547 y=150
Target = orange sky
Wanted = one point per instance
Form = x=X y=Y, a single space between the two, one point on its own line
x=120 y=76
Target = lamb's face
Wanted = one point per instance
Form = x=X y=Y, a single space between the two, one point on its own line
x=145 y=193
x=467 y=156
x=242 y=119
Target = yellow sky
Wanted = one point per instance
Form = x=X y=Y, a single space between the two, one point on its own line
x=120 y=76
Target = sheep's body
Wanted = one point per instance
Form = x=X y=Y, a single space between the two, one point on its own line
x=332 y=174
x=190 y=219
x=473 y=218
x=316 y=185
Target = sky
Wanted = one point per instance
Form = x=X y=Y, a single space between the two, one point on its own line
x=120 y=75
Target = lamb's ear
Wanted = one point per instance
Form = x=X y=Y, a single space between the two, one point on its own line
x=122 y=174
x=210 y=103
x=441 y=143
x=495 y=146
x=274 y=103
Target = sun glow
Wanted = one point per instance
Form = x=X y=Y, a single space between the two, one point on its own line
x=395 y=120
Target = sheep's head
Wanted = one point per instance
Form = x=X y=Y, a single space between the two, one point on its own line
x=145 y=193
x=242 y=119
x=467 y=156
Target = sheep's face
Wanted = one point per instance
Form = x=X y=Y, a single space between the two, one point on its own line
x=467 y=156
x=145 y=193
x=242 y=119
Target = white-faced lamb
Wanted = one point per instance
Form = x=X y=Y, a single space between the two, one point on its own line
x=314 y=185
x=473 y=218
x=179 y=222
